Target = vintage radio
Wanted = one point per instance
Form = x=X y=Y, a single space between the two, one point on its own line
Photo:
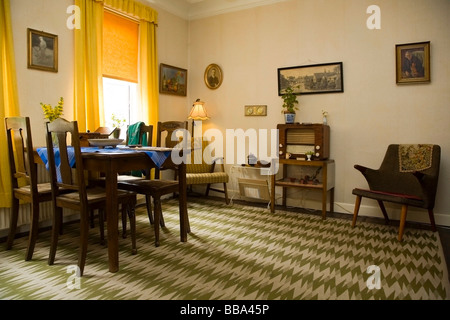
x=296 y=140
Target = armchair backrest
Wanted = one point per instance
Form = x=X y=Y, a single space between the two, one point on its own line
x=198 y=163
x=422 y=184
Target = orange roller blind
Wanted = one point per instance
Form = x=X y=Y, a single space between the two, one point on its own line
x=120 y=47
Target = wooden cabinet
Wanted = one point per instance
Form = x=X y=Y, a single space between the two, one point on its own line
x=325 y=184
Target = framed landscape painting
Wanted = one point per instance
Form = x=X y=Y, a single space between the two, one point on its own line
x=172 y=80
x=310 y=79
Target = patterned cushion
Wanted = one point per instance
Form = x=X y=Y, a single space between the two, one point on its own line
x=205 y=178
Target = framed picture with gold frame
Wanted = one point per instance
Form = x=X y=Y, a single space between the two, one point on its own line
x=42 y=50
x=413 y=62
x=213 y=76
x=172 y=80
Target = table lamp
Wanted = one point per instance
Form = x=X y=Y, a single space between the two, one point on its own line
x=198 y=112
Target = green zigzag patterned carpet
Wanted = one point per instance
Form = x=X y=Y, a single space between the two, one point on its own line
x=237 y=252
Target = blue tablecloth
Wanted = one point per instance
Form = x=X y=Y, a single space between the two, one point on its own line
x=158 y=157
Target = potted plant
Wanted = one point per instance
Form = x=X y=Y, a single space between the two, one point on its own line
x=117 y=123
x=289 y=105
x=309 y=154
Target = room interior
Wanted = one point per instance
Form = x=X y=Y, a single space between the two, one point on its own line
x=250 y=41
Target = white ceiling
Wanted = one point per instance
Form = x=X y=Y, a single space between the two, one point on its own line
x=196 y=9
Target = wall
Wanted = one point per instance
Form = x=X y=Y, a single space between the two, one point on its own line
x=37 y=86
x=371 y=113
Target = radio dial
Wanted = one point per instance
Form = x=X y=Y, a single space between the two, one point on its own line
x=317 y=154
x=281 y=146
x=317 y=147
x=281 y=152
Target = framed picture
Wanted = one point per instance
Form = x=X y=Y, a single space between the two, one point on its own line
x=310 y=79
x=172 y=80
x=213 y=76
x=413 y=62
x=42 y=50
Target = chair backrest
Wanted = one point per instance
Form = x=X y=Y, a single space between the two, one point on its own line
x=396 y=181
x=65 y=161
x=198 y=163
x=169 y=127
x=20 y=148
x=143 y=130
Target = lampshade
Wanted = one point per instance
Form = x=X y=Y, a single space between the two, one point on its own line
x=198 y=111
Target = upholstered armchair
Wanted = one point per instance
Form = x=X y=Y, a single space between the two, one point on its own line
x=209 y=171
x=407 y=176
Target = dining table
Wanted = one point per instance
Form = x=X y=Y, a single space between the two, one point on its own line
x=112 y=161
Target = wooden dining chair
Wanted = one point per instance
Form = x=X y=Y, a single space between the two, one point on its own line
x=144 y=135
x=24 y=179
x=82 y=198
x=156 y=188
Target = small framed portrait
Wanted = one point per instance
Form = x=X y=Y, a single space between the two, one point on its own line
x=172 y=80
x=413 y=62
x=213 y=76
x=42 y=50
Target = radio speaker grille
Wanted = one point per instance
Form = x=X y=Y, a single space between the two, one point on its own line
x=300 y=136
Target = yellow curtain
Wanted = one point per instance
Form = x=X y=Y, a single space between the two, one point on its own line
x=148 y=74
x=88 y=104
x=8 y=96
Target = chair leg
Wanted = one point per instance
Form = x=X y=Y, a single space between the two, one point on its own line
x=402 y=222
x=84 y=233
x=355 y=213
x=148 y=201
x=225 y=190
x=57 y=217
x=157 y=211
x=34 y=227
x=13 y=223
x=132 y=217
x=101 y=223
x=124 y=221
x=92 y=219
x=433 y=223
x=208 y=187
x=383 y=209
x=161 y=219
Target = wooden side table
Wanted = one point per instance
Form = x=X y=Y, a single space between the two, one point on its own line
x=327 y=184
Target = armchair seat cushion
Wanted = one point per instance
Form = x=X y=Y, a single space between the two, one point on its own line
x=206 y=178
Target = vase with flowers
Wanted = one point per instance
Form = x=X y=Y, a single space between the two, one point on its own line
x=53 y=113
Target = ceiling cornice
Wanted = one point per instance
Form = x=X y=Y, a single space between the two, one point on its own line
x=198 y=9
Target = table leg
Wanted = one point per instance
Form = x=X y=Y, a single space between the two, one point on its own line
x=112 y=217
x=182 y=201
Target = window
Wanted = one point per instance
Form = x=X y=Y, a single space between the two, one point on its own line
x=119 y=98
